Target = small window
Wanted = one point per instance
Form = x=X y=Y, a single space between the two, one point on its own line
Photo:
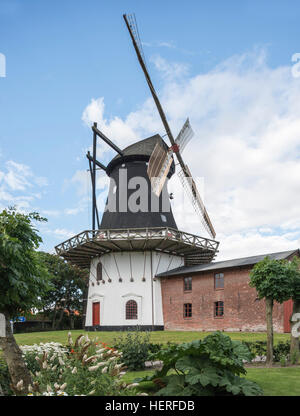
x=187 y=283
x=131 y=310
x=219 y=309
x=187 y=310
x=219 y=281
x=99 y=271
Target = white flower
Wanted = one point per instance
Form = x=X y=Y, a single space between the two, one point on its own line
x=91 y=392
x=101 y=350
x=104 y=370
x=119 y=365
x=20 y=385
x=74 y=371
x=61 y=361
x=45 y=365
x=61 y=393
x=142 y=394
x=63 y=386
x=130 y=386
x=49 y=389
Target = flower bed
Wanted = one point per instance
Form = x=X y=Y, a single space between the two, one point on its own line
x=84 y=367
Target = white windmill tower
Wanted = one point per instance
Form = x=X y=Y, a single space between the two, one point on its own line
x=137 y=237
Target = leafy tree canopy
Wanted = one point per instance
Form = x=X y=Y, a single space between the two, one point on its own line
x=23 y=279
x=68 y=283
x=275 y=279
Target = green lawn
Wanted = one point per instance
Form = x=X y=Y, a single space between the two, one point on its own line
x=155 y=337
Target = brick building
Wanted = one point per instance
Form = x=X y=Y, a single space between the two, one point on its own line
x=217 y=296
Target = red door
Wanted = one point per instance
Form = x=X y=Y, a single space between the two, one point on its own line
x=96 y=313
x=287 y=312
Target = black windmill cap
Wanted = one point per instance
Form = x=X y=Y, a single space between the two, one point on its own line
x=139 y=151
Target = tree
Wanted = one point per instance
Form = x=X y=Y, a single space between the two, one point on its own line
x=22 y=281
x=273 y=280
x=68 y=291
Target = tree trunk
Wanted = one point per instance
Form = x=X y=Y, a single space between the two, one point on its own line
x=269 y=319
x=71 y=320
x=60 y=318
x=294 y=351
x=54 y=316
x=15 y=362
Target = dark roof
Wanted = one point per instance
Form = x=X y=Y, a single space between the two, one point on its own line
x=244 y=261
x=140 y=151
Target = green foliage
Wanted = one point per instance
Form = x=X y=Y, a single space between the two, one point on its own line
x=22 y=277
x=208 y=367
x=274 y=279
x=5 y=379
x=135 y=347
x=69 y=282
x=283 y=361
x=259 y=348
x=295 y=266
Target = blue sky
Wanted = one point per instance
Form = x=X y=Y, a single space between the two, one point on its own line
x=70 y=62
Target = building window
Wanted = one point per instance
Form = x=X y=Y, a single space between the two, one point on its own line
x=219 y=309
x=219 y=281
x=99 y=271
x=187 y=283
x=131 y=310
x=187 y=310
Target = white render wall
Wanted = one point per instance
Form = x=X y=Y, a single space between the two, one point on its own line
x=114 y=295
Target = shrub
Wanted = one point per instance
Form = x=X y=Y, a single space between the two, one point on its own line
x=135 y=347
x=208 y=367
x=259 y=348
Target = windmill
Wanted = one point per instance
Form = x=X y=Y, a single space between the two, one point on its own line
x=133 y=243
x=160 y=161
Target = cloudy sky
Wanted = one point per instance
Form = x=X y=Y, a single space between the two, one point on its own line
x=232 y=67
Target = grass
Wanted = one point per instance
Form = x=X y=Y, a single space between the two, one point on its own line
x=155 y=337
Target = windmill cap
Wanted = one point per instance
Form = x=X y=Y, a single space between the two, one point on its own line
x=139 y=151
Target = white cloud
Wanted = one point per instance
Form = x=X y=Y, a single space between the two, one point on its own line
x=62 y=232
x=246 y=119
x=18 y=186
x=169 y=71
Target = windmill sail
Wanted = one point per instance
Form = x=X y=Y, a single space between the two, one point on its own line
x=184 y=136
x=160 y=160
x=158 y=168
x=191 y=191
x=197 y=202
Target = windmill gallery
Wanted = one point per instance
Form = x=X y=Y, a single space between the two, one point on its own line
x=146 y=272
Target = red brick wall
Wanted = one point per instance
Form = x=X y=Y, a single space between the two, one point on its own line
x=242 y=310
